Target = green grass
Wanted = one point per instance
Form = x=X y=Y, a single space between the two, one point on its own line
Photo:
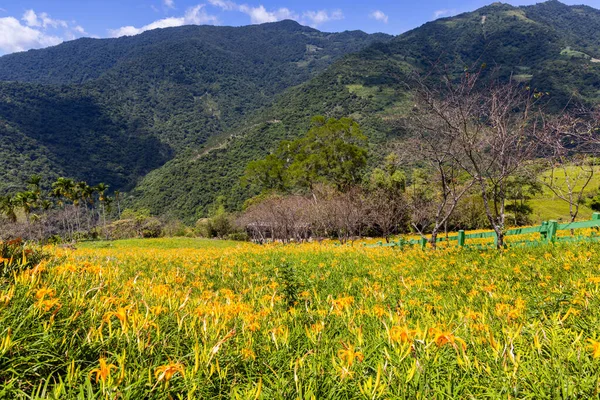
x=546 y=209
x=311 y=321
x=161 y=243
x=547 y=206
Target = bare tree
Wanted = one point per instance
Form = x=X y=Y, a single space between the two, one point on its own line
x=568 y=146
x=435 y=148
x=490 y=127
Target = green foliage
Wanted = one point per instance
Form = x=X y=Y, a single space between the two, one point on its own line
x=195 y=105
x=332 y=152
x=388 y=177
x=126 y=106
x=16 y=256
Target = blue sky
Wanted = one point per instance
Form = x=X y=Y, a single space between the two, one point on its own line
x=26 y=24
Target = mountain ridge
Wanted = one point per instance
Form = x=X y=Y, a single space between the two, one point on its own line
x=178 y=86
x=209 y=132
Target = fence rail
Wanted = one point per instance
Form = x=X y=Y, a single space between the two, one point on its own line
x=548 y=234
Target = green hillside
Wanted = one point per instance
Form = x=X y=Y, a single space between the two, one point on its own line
x=527 y=43
x=194 y=105
x=113 y=109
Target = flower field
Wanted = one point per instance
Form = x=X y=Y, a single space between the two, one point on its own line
x=183 y=319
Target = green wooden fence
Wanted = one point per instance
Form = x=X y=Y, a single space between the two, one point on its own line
x=547 y=230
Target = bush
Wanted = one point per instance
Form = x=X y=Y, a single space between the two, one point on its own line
x=148 y=227
x=16 y=256
x=176 y=228
x=238 y=236
x=151 y=228
x=220 y=226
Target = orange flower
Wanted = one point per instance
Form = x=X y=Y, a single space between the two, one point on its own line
x=595 y=348
x=43 y=292
x=103 y=371
x=401 y=334
x=442 y=338
x=166 y=372
x=348 y=354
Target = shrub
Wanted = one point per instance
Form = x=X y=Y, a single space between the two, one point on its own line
x=151 y=228
x=15 y=255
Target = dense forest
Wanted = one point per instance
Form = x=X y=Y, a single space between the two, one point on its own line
x=174 y=116
x=115 y=109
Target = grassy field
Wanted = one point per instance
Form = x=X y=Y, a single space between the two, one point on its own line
x=191 y=319
x=547 y=206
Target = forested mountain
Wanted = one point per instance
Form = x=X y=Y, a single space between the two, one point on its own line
x=553 y=47
x=113 y=109
x=211 y=107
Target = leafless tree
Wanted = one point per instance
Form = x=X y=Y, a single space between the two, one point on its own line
x=435 y=148
x=568 y=147
x=489 y=126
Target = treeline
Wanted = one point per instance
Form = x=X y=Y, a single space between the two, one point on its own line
x=477 y=150
x=67 y=210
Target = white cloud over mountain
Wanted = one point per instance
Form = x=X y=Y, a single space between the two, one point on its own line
x=260 y=15
x=379 y=16
x=39 y=29
x=35 y=31
x=196 y=15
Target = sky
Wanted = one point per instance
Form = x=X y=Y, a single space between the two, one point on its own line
x=30 y=24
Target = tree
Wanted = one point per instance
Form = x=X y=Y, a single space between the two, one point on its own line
x=435 y=149
x=568 y=168
x=7 y=207
x=386 y=201
x=332 y=152
x=492 y=126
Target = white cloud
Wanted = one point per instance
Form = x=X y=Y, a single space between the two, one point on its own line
x=36 y=31
x=43 y=20
x=169 y=3
x=379 y=16
x=225 y=4
x=17 y=37
x=260 y=15
x=316 y=18
x=443 y=13
x=30 y=18
x=193 y=16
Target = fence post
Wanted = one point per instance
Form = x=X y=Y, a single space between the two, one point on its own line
x=495 y=239
x=544 y=230
x=552 y=227
x=596 y=216
x=461 y=238
x=423 y=243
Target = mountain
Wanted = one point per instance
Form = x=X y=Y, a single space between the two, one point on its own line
x=114 y=109
x=174 y=115
x=550 y=46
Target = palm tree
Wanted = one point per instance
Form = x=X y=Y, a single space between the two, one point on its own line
x=117 y=199
x=63 y=188
x=7 y=207
x=101 y=188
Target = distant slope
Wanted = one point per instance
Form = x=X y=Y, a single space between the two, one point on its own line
x=550 y=46
x=113 y=109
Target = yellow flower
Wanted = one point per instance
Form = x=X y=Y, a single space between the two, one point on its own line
x=103 y=371
x=349 y=355
x=401 y=334
x=166 y=372
x=595 y=348
x=43 y=292
x=248 y=354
